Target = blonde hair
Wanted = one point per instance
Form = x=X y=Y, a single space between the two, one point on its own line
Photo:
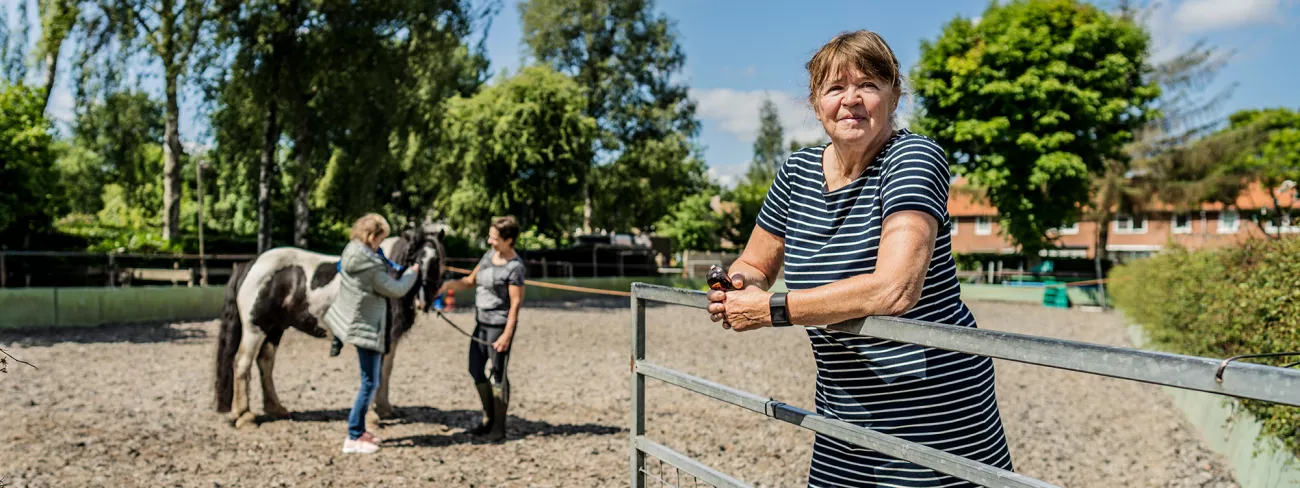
x=369 y=226
x=864 y=50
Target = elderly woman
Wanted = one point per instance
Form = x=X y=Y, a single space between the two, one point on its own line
x=861 y=226
x=359 y=317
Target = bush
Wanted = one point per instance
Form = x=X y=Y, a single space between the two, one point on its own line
x=1221 y=303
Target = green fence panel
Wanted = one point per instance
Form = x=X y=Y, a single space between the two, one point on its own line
x=73 y=307
x=79 y=306
x=22 y=307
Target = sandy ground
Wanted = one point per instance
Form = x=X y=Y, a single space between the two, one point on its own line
x=132 y=406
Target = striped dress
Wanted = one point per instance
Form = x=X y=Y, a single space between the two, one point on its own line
x=933 y=397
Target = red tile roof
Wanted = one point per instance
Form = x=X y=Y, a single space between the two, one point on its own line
x=965 y=201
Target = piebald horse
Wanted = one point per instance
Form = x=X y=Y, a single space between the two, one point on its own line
x=289 y=287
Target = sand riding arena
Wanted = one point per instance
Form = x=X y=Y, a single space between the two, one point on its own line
x=132 y=406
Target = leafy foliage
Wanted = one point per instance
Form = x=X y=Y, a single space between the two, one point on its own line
x=694 y=225
x=520 y=147
x=1221 y=303
x=1030 y=101
x=625 y=56
x=29 y=186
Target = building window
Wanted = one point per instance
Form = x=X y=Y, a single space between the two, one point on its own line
x=1071 y=230
x=983 y=226
x=1182 y=223
x=1229 y=221
x=1126 y=224
x=1288 y=226
x=953 y=225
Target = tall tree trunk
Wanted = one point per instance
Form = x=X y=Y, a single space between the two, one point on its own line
x=171 y=211
x=51 y=69
x=264 y=180
x=1099 y=257
x=303 y=179
x=586 y=207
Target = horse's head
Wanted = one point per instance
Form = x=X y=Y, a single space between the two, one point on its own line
x=424 y=246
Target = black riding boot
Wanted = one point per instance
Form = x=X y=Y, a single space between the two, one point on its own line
x=500 y=400
x=484 y=396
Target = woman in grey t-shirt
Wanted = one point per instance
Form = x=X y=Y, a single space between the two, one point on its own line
x=499 y=282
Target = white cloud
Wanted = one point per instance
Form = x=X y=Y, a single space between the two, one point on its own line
x=737 y=112
x=1176 y=25
x=728 y=175
x=1195 y=16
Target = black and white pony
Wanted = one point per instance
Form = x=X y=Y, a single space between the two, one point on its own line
x=290 y=287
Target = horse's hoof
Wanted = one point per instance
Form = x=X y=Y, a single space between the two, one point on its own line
x=246 y=420
x=384 y=412
x=277 y=412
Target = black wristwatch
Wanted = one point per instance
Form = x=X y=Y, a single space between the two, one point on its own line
x=780 y=316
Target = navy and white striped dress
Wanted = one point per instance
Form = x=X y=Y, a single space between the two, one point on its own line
x=938 y=398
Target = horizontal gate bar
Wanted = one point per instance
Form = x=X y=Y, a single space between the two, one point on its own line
x=1245 y=380
x=684 y=463
x=886 y=444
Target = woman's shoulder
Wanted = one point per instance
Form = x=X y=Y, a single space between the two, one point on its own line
x=358 y=258
x=806 y=159
x=908 y=144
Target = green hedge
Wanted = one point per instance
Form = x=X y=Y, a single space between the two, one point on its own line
x=1221 y=303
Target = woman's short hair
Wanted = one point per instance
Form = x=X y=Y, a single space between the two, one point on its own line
x=369 y=226
x=507 y=227
x=864 y=50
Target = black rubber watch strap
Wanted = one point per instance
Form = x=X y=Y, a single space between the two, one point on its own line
x=780 y=315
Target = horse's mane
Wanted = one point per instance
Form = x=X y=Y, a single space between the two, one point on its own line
x=405 y=251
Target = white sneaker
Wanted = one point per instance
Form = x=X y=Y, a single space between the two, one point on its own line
x=359 y=447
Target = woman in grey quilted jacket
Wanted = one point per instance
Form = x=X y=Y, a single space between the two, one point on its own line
x=359 y=316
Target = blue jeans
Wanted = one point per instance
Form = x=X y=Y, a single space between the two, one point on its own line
x=371 y=363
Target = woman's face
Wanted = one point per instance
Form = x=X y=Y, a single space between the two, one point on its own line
x=376 y=241
x=854 y=108
x=498 y=244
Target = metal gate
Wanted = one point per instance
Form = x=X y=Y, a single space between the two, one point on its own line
x=1223 y=377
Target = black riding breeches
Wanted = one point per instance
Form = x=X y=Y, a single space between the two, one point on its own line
x=481 y=354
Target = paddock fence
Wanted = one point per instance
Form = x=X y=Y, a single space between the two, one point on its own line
x=1222 y=377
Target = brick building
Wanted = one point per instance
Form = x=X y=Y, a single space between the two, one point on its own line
x=976 y=230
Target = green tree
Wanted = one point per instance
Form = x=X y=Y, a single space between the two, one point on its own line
x=1031 y=101
x=58 y=20
x=169 y=32
x=769 y=147
x=1183 y=113
x=1274 y=161
x=115 y=142
x=520 y=147
x=693 y=224
x=358 y=88
x=769 y=153
x=625 y=55
x=29 y=192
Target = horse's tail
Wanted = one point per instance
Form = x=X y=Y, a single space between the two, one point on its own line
x=232 y=331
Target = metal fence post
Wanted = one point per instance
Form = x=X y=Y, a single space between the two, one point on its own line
x=638 y=392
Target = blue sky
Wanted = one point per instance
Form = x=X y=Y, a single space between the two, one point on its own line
x=738 y=52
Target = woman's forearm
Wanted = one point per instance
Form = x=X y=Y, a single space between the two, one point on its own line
x=852 y=298
x=751 y=273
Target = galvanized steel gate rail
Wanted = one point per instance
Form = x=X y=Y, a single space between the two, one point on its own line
x=1245 y=380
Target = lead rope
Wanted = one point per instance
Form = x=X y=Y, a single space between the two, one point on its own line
x=462 y=331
